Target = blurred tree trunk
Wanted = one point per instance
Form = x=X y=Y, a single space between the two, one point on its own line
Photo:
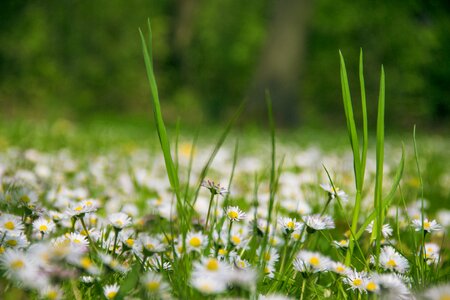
x=281 y=62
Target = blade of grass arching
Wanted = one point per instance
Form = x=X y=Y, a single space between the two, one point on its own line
x=389 y=198
x=217 y=148
x=351 y=127
x=364 y=115
x=353 y=136
x=379 y=167
x=160 y=126
x=177 y=138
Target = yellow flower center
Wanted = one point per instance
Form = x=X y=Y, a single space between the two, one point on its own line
x=296 y=236
x=76 y=241
x=391 y=263
x=241 y=264
x=10 y=225
x=43 y=228
x=52 y=295
x=25 y=199
x=2 y=249
x=290 y=225
x=236 y=240
x=150 y=246
x=340 y=269
x=17 y=264
x=85 y=262
x=153 y=286
x=12 y=243
x=212 y=265
x=129 y=242
x=314 y=261
x=426 y=225
x=267 y=256
x=111 y=295
x=357 y=282
x=343 y=242
x=223 y=252
x=233 y=214
x=119 y=223
x=195 y=242
x=78 y=208
x=88 y=203
x=371 y=286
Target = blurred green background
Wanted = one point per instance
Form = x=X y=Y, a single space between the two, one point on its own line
x=80 y=60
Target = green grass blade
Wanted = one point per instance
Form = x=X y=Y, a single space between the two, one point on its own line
x=389 y=198
x=379 y=166
x=351 y=126
x=364 y=119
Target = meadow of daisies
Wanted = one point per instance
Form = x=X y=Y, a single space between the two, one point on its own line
x=235 y=218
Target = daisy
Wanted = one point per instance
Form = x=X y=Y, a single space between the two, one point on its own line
x=391 y=287
x=43 y=225
x=311 y=262
x=318 y=222
x=151 y=244
x=110 y=291
x=356 y=281
x=386 y=230
x=428 y=226
x=78 y=209
x=391 y=260
x=334 y=192
x=77 y=239
x=339 y=268
x=208 y=284
x=153 y=284
x=234 y=214
x=270 y=256
x=215 y=189
x=438 y=292
x=196 y=241
x=51 y=293
x=22 y=268
x=236 y=239
x=11 y=223
x=289 y=225
x=341 y=244
x=119 y=220
x=432 y=253
x=15 y=240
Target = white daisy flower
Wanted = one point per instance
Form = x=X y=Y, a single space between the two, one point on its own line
x=236 y=239
x=356 y=280
x=51 y=292
x=151 y=244
x=77 y=239
x=269 y=270
x=428 y=226
x=196 y=241
x=339 y=268
x=153 y=284
x=86 y=263
x=119 y=220
x=289 y=225
x=208 y=284
x=386 y=230
x=22 y=268
x=215 y=189
x=343 y=244
x=241 y=264
x=270 y=256
x=110 y=291
x=234 y=213
x=318 y=222
x=43 y=225
x=437 y=292
x=391 y=287
x=432 y=253
x=391 y=260
x=15 y=240
x=79 y=209
x=11 y=223
x=311 y=262
x=334 y=192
